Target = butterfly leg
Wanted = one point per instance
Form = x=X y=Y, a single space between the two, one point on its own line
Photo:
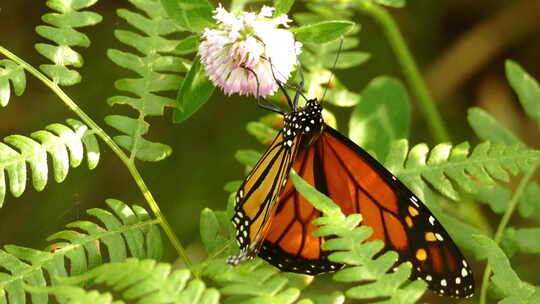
x=268 y=107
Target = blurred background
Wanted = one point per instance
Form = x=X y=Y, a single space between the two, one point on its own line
x=460 y=46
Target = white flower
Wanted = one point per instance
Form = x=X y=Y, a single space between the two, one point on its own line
x=245 y=44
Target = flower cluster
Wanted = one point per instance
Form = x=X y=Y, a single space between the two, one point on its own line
x=245 y=45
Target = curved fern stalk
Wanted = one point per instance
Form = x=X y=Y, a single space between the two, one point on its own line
x=157 y=73
x=10 y=71
x=65 y=145
x=86 y=245
x=144 y=281
x=447 y=165
x=348 y=241
x=61 y=30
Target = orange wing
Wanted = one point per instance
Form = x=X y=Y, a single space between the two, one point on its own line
x=257 y=196
x=359 y=184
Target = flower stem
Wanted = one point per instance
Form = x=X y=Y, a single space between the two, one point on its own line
x=130 y=165
x=410 y=69
x=502 y=226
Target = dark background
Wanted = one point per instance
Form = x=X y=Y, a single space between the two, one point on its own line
x=460 y=46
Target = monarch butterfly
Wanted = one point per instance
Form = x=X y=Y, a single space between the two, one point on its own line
x=274 y=221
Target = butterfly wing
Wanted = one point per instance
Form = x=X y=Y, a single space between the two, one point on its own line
x=354 y=180
x=289 y=243
x=257 y=196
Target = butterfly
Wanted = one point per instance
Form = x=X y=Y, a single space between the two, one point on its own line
x=274 y=221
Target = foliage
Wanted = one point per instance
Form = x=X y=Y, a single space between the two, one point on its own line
x=10 y=72
x=89 y=261
x=384 y=110
x=61 y=30
x=513 y=289
x=84 y=246
x=445 y=164
x=157 y=69
x=64 y=144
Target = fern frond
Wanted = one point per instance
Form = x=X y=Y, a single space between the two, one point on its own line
x=487 y=128
x=157 y=72
x=146 y=281
x=62 y=31
x=348 y=241
x=513 y=289
x=65 y=145
x=73 y=294
x=527 y=89
x=444 y=165
x=84 y=246
x=529 y=204
x=254 y=282
x=10 y=71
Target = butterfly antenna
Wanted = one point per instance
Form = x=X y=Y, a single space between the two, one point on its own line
x=281 y=87
x=268 y=107
x=299 y=89
x=333 y=68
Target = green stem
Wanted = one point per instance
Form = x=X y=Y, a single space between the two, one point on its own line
x=502 y=226
x=116 y=149
x=410 y=69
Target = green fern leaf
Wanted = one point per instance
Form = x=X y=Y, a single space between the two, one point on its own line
x=264 y=133
x=335 y=297
x=61 y=30
x=350 y=246
x=529 y=204
x=10 y=71
x=64 y=144
x=447 y=164
x=72 y=294
x=192 y=15
x=282 y=6
x=195 y=91
x=211 y=235
x=146 y=281
x=527 y=89
x=157 y=70
x=521 y=239
x=385 y=111
x=323 y=32
x=77 y=250
x=489 y=129
x=391 y=3
x=513 y=288
x=252 y=282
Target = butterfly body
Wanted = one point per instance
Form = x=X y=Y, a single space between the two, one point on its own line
x=274 y=221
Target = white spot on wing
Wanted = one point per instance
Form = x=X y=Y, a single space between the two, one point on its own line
x=414 y=200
